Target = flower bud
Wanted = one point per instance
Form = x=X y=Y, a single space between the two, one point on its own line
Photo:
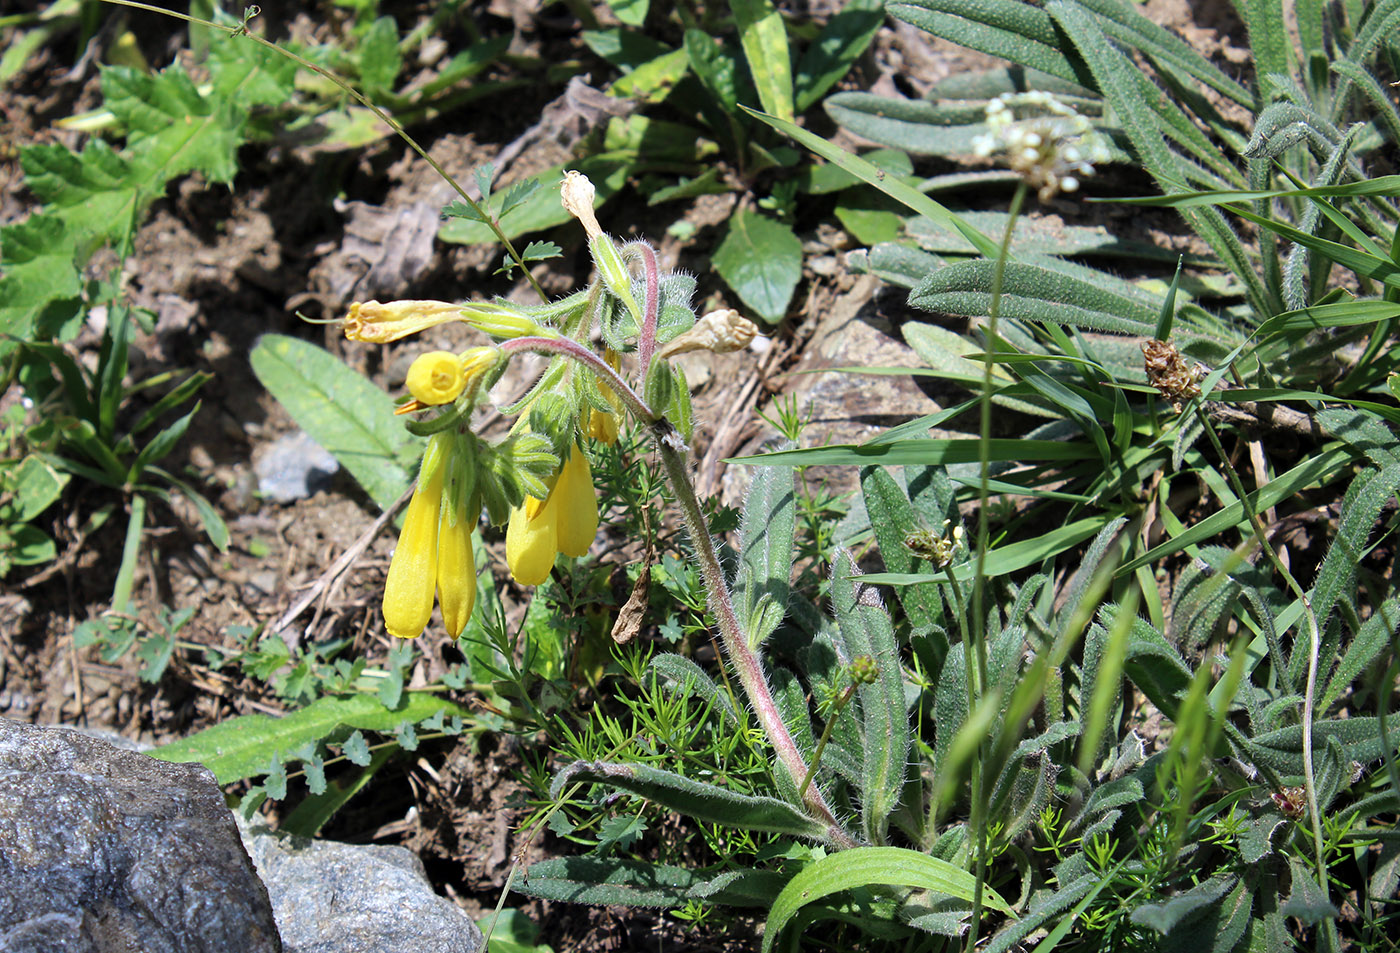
x=502 y=321
x=577 y=194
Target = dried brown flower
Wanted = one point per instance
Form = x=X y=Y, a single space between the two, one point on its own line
x=1169 y=373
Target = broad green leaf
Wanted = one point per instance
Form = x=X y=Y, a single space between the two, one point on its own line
x=341 y=410
x=840 y=43
x=704 y=802
x=173 y=129
x=763 y=35
x=34 y=486
x=543 y=209
x=872 y=866
x=630 y=12
x=240 y=747
x=36 y=269
x=379 y=56
x=761 y=259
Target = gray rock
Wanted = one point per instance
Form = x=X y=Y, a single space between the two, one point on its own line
x=330 y=897
x=109 y=851
x=294 y=467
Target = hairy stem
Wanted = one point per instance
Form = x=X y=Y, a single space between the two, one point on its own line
x=567 y=347
x=1314 y=644
x=740 y=655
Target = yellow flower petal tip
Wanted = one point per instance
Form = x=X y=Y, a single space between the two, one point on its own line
x=436 y=378
x=565 y=523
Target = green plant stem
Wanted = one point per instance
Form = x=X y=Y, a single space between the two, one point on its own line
x=978 y=818
x=1314 y=642
x=131 y=551
x=566 y=347
x=738 y=652
x=826 y=736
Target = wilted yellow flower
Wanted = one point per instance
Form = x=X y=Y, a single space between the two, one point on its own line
x=565 y=522
x=375 y=323
x=436 y=377
x=434 y=554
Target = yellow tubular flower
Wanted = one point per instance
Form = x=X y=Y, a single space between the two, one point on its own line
x=578 y=505
x=436 y=377
x=565 y=522
x=373 y=323
x=456 y=571
x=408 y=592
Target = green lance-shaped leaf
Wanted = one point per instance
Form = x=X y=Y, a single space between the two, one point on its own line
x=867 y=631
x=762 y=587
x=764 y=38
x=1361 y=506
x=1034 y=293
x=341 y=410
x=868 y=867
x=704 y=802
x=893 y=518
x=240 y=747
x=1282 y=751
x=635 y=883
x=681 y=671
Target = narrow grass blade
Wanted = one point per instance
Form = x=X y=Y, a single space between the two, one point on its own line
x=888 y=184
x=1321 y=469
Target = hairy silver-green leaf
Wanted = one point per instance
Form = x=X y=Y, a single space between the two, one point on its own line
x=704 y=802
x=762 y=586
x=867 y=631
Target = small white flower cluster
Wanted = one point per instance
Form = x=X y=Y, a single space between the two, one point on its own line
x=1044 y=140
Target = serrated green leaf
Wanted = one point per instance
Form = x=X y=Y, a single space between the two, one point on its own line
x=761 y=259
x=869 y=866
x=379 y=56
x=340 y=409
x=316 y=810
x=173 y=129
x=240 y=747
x=356 y=749
x=36 y=268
